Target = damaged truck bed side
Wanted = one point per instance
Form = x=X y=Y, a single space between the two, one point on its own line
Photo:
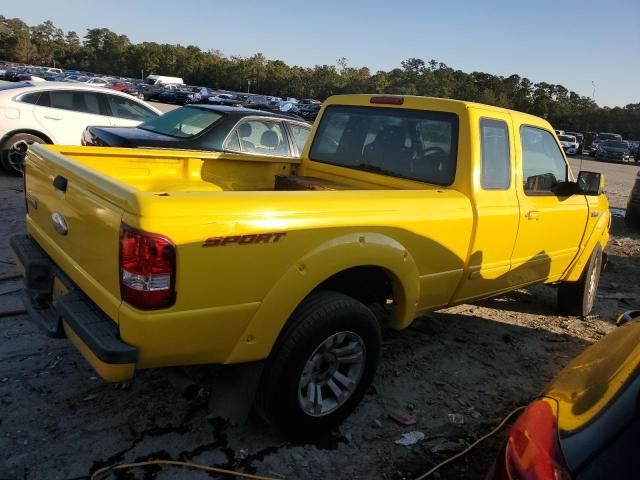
x=150 y=258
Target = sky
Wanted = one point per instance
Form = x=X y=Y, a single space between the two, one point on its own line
x=578 y=44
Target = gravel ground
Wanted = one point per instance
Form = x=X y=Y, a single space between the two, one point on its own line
x=479 y=361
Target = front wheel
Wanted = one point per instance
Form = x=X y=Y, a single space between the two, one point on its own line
x=322 y=364
x=632 y=218
x=577 y=298
x=14 y=151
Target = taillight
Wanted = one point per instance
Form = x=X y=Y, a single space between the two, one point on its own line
x=147 y=269
x=532 y=451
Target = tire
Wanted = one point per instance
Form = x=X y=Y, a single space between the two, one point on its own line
x=14 y=149
x=323 y=323
x=141 y=96
x=631 y=218
x=577 y=298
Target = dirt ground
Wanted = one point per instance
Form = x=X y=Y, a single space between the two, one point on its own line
x=58 y=421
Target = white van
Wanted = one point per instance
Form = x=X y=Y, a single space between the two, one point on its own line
x=158 y=79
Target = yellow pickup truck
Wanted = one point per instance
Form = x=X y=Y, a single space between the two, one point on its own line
x=151 y=258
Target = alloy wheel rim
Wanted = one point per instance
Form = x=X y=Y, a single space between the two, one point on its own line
x=593 y=281
x=331 y=374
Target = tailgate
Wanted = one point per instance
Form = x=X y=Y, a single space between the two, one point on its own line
x=76 y=220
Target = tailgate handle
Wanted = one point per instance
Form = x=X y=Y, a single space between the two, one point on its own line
x=60 y=183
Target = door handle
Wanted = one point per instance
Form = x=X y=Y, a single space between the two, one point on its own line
x=532 y=214
x=49 y=117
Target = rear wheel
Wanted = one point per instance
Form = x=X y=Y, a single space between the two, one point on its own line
x=577 y=298
x=14 y=151
x=322 y=364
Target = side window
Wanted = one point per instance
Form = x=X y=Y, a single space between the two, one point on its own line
x=85 y=102
x=62 y=99
x=543 y=165
x=31 y=98
x=496 y=158
x=300 y=133
x=233 y=143
x=265 y=137
x=125 y=108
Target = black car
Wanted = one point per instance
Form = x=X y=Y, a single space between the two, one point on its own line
x=613 y=150
x=17 y=74
x=208 y=127
x=308 y=111
x=632 y=215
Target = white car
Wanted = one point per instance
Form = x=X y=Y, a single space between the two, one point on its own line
x=569 y=144
x=58 y=112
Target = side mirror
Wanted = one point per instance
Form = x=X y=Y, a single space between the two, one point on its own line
x=591 y=183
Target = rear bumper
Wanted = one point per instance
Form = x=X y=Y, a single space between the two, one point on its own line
x=60 y=309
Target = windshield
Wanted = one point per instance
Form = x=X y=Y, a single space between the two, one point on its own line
x=182 y=122
x=615 y=144
x=566 y=138
x=609 y=136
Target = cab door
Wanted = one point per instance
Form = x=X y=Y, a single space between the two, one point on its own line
x=551 y=225
x=495 y=202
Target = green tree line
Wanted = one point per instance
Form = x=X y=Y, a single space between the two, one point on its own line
x=102 y=51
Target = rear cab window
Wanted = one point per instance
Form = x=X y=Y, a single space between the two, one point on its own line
x=412 y=144
x=543 y=165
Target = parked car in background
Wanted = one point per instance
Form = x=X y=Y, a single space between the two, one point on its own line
x=632 y=215
x=97 y=82
x=602 y=137
x=119 y=85
x=185 y=95
x=16 y=74
x=634 y=146
x=613 y=150
x=569 y=144
x=579 y=138
x=586 y=425
x=227 y=99
x=256 y=101
x=208 y=127
x=308 y=111
x=153 y=92
x=162 y=79
x=52 y=112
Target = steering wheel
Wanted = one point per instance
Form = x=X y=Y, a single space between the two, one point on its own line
x=433 y=151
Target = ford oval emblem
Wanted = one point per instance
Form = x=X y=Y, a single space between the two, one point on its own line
x=59 y=223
